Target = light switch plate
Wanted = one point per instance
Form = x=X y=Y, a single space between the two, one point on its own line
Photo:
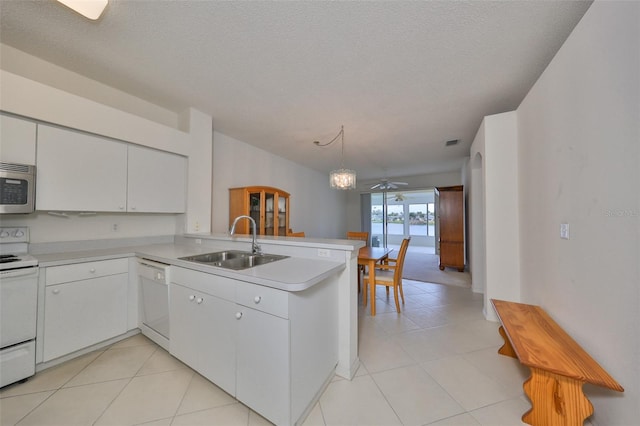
x=564 y=231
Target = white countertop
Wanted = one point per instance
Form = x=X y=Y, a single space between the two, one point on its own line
x=290 y=274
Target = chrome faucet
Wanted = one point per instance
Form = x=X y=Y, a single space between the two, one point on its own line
x=255 y=248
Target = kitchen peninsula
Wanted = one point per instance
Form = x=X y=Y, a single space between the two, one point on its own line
x=288 y=325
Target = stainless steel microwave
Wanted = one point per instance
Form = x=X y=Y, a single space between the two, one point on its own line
x=17 y=188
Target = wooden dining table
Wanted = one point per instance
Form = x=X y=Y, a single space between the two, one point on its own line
x=369 y=256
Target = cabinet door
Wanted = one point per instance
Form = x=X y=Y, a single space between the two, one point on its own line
x=82 y=313
x=263 y=365
x=80 y=172
x=183 y=325
x=17 y=140
x=283 y=213
x=217 y=336
x=157 y=181
x=452 y=254
x=256 y=211
x=451 y=216
x=203 y=334
x=270 y=217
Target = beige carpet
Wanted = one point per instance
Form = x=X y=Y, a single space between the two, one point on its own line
x=424 y=267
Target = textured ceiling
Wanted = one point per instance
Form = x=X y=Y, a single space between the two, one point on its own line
x=402 y=77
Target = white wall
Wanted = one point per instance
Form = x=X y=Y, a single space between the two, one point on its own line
x=45 y=228
x=316 y=209
x=200 y=171
x=496 y=143
x=579 y=164
x=476 y=244
x=17 y=62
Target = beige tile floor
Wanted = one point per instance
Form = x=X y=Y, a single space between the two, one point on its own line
x=434 y=364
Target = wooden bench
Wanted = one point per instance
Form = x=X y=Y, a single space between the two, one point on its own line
x=559 y=366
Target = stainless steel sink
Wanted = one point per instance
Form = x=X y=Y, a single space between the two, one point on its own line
x=234 y=259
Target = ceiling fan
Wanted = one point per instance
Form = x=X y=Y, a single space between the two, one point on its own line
x=385 y=185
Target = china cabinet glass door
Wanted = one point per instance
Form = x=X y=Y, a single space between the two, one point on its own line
x=255 y=208
x=269 y=213
x=282 y=216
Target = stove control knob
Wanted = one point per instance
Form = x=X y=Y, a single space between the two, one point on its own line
x=19 y=233
x=4 y=234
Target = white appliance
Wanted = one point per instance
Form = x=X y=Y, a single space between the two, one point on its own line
x=154 y=301
x=18 y=306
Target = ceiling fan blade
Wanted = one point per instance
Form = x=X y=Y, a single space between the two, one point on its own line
x=377 y=185
x=399 y=183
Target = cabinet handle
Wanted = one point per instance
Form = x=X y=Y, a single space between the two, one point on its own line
x=238 y=315
x=257 y=299
x=199 y=300
x=121 y=207
x=192 y=298
x=56 y=291
x=92 y=270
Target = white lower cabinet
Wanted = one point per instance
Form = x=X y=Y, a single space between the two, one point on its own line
x=85 y=304
x=263 y=379
x=278 y=348
x=208 y=349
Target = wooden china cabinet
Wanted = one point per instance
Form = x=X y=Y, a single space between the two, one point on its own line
x=268 y=206
x=451 y=220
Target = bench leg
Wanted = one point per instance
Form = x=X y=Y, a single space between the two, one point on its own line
x=555 y=400
x=506 y=349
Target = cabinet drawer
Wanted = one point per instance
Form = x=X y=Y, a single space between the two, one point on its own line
x=201 y=281
x=86 y=270
x=265 y=299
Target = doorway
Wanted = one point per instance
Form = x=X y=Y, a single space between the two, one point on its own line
x=399 y=214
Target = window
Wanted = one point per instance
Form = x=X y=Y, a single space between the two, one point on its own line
x=395 y=219
x=418 y=220
x=431 y=219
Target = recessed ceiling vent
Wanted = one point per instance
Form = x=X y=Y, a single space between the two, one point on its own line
x=452 y=142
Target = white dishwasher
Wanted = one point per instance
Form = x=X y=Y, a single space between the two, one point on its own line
x=154 y=301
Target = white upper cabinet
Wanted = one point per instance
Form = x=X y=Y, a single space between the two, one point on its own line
x=17 y=140
x=157 y=181
x=80 y=172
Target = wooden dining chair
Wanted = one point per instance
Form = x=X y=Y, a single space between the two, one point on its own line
x=353 y=235
x=390 y=274
x=296 y=234
x=363 y=236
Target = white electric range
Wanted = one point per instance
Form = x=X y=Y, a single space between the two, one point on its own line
x=18 y=306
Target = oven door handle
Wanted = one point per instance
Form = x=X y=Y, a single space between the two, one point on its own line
x=20 y=272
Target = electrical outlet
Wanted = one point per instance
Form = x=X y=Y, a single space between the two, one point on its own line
x=564 y=231
x=324 y=253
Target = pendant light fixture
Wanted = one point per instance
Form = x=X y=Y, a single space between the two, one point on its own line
x=341 y=178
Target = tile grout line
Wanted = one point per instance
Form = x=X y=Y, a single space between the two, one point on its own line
x=54 y=390
x=125 y=386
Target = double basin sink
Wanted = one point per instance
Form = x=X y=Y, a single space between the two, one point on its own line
x=234 y=259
